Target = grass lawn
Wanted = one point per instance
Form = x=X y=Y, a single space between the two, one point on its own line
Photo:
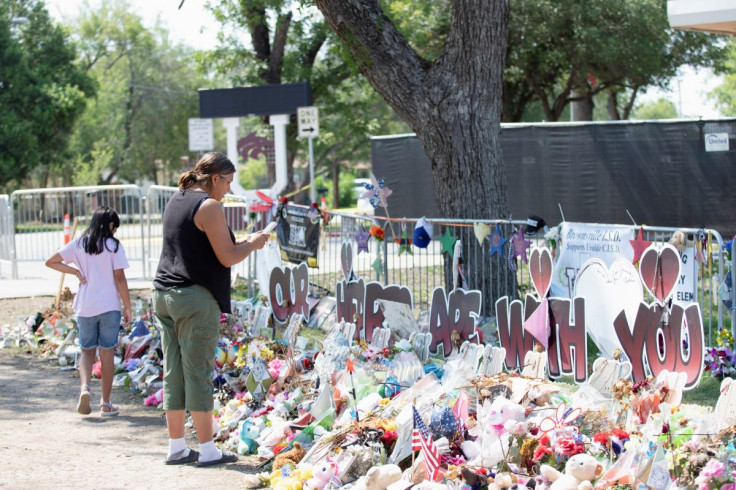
x=706 y=393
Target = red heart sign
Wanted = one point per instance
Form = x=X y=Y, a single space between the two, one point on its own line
x=659 y=271
x=540 y=270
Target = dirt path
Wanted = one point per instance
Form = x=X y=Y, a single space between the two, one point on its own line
x=45 y=443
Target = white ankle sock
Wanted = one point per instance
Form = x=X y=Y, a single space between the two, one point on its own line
x=209 y=452
x=177 y=446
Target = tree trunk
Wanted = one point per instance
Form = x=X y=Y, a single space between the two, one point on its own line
x=453 y=104
x=582 y=108
x=336 y=185
x=612 y=106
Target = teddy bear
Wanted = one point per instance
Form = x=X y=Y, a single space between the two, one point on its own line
x=293 y=455
x=502 y=481
x=379 y=478
x=580 y=470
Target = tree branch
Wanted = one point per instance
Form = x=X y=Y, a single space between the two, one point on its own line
x=541 y=96
x=375 y=43
x=316 y=43
x=630 y=104
x=279 y=46
x=257 y=21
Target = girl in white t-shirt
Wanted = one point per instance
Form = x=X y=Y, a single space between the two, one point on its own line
x=100 y=261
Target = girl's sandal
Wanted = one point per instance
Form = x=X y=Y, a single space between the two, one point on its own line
x=83 y=403
x=107 y=409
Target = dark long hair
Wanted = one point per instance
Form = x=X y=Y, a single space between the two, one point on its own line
x=95 y=236
x=210 y=164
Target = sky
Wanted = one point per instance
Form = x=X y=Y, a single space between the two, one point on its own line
x=195 y=26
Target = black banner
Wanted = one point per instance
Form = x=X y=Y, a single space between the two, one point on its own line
x=298 y=233
x=664 y=173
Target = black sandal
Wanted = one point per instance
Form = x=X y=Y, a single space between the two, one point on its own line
x=192 y=457
x=227 y=457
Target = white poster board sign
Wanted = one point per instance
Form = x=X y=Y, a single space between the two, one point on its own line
x=686 y=285
x=580 y=242
x=716 y=142
x=201 y=136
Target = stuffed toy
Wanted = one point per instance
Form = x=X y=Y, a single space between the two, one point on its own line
x=322 y=473
x=506 y=414
x=278 y=432
x=495 y=423
x=502 y=481
x=580 y=471
x=472 y=480
x=293 y=455
x=291 y=482
x=379 y=478
x=247 y=442
x=155 y=399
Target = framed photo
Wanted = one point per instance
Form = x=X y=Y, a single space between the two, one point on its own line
x=327 y=306
x=260 y=321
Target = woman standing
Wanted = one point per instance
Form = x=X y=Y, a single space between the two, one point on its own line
x=101 y=261
x=192 y=288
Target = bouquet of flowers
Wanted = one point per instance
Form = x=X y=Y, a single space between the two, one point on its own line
x=721 y=360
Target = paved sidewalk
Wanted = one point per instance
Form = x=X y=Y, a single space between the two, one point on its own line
x=35 y=279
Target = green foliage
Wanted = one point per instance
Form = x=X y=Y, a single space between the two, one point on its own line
x=348 y=197
x=137 y=124
x=254 y=174
x=658 y=109
x=350 y=110
x=42 y=91
x=725 y=94
x=560 y=50
x=425 y=24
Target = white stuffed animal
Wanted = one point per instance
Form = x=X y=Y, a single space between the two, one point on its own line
x=580 y=471
x=379 y=478
x=495 y=421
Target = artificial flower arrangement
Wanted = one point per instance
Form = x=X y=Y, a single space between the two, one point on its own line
x=720 y=361
x=378 y=233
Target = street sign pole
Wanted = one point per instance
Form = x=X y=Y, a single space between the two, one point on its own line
x=312 y=188
x=308 y=126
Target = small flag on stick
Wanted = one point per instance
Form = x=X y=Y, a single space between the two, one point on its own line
x=422 y=441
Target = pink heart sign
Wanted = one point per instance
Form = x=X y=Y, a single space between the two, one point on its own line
x=659 y=271
x=540 y=270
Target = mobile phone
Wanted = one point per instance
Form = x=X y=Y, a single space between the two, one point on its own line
x=269 y=227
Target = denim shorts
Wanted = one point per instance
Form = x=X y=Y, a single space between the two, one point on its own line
x=100 y=330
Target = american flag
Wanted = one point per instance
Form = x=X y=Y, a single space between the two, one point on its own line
x=421 y=441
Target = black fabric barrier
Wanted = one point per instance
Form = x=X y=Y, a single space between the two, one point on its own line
x=659 y=170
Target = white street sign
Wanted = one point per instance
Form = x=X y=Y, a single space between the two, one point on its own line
x=200 y=135
x=308 y=121
x=716 y=142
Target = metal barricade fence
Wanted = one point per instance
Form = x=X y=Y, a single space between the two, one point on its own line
x=420 y=269
x=39 y=219
x=423 y=270
x=7 y=234
x=31 y=229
